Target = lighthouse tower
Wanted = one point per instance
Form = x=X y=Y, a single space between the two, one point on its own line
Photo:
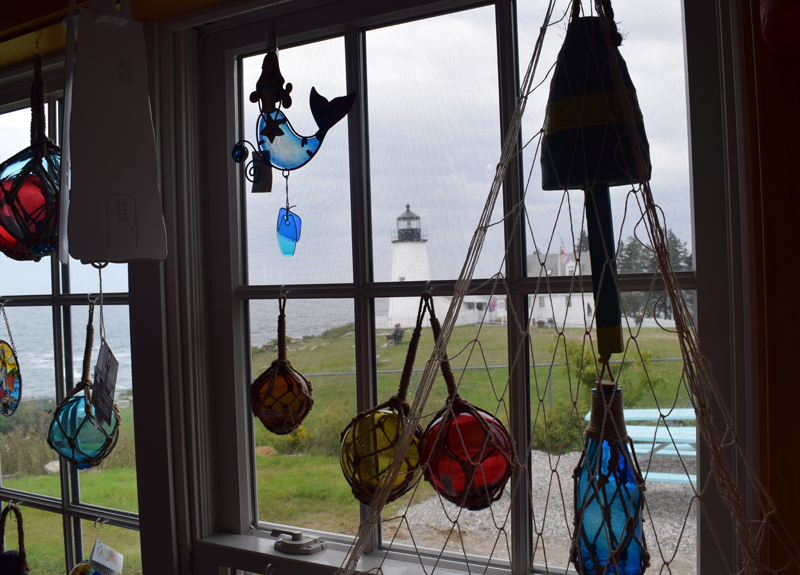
x=409 y=263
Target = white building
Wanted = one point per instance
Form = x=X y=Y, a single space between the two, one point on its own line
x=569 y=310
x=566 y=310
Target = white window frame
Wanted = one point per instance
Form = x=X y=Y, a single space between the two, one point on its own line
x=207 y=450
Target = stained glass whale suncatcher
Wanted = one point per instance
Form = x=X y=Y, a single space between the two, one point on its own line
x=284 y=147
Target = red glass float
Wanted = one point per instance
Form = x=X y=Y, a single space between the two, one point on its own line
x=467 y=455
x=29 y=188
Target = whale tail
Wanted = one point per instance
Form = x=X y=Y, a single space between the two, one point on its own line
x=326 y=113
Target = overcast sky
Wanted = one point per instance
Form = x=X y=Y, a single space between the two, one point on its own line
x=434 y=143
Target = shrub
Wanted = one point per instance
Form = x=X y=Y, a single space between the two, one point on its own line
x=557 y=429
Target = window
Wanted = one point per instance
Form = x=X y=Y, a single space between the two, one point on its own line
x=47 y=307
x=445 y=192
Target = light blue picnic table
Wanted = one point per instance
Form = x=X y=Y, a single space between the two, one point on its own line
x=660 y=440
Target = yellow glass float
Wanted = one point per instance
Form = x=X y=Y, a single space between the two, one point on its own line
x=371 y=441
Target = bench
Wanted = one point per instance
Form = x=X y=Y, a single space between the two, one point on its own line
x=396 y=337
x=661 y=441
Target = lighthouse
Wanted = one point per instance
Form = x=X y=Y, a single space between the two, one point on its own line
x=409 y=263
x=409 y=250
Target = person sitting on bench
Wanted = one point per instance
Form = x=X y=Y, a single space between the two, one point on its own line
x=396 y=336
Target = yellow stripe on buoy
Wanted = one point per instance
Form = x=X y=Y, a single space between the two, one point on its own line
x=595 y=109
x=609 y=339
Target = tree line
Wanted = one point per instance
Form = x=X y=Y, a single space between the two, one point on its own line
x=634 y=257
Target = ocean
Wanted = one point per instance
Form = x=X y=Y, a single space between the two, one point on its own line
x=32 y=329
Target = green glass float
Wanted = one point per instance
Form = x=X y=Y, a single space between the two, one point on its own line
x=281 y=397
x=72 y=432
x=370 y=441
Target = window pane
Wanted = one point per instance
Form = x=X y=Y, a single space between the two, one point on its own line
x=434 y=143
x=653 y=50
x=481 y=374
x=299 y=479
x=23 y=461
x=125 y=541
x=85 y=279
x=20 y=278
x=113 y=482
x=651 y=378
x=44 y=540
x=320 y=189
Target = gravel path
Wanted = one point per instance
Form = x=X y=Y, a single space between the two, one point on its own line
x=668 y=504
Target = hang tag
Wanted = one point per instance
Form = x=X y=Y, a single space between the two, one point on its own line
x=105 y=382
x=263 y=170
x=104 y=559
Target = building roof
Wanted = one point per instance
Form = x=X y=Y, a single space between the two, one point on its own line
x=408 y=214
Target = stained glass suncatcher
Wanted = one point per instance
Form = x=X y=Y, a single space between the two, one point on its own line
x=10 y=380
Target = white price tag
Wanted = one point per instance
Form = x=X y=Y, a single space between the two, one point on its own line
x=104 y=559
x=105 y=383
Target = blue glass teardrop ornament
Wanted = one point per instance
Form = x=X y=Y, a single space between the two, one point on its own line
x=288 y=229
x=289 y=225
x=608 y=496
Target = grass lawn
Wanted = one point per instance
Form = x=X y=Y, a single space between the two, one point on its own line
x=112 y=485
x=302 y=484
x=307 y=487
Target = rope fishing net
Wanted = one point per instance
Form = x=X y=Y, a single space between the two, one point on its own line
x=578 y=461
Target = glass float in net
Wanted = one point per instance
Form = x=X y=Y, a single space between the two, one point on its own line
x=368 y=448
x=29 y=188
x=281 y=397
x=72 y=431
x=608 y=494
x=468 y=456
x=370 y=441
x=73 y=434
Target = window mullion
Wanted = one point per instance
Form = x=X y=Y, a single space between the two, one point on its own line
x=364 y=313
x=519 y=373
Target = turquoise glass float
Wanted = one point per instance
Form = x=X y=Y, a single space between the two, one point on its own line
x=608 y=499
x=73 y=434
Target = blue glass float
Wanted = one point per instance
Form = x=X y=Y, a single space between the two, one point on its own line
x=608 y=495
x=10 y=379
x=73 y=434
x=288 y=229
